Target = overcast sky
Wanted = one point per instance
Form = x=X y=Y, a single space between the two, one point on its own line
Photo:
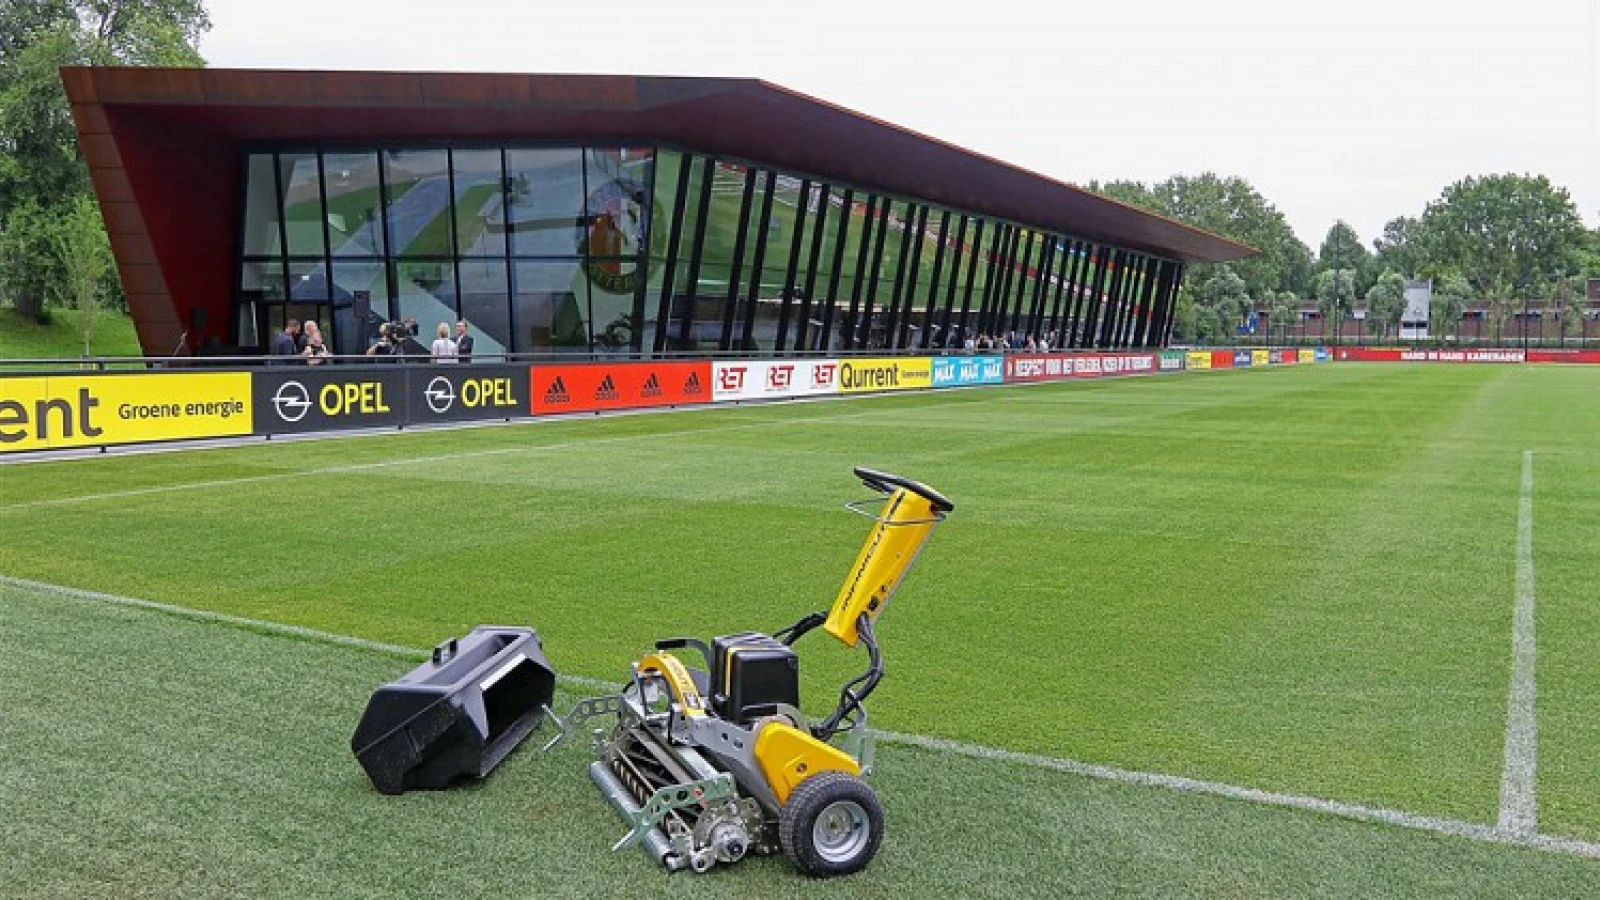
x=1358 y=110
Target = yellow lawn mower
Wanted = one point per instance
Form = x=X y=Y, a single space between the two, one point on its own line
x=704 y=765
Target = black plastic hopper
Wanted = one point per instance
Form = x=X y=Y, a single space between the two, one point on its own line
x=458 y=714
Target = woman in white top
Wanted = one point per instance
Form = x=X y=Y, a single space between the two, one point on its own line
x=444 y=349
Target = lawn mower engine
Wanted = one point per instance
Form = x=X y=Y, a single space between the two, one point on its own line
x=708 y=763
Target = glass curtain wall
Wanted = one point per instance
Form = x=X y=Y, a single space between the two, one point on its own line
x=608 y=249
x=538 y=249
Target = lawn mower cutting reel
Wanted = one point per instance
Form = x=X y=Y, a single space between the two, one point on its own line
x=709 y=764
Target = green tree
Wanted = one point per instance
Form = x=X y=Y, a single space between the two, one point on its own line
x=85 y=257
x=1285 y=310
x=1451 y=294
x=1222 y=300
x=1397 y=248
x=1234 y=209
x=1510 y=236
x=41 y=174
x=1386 y=302
x=1342 y=249
x=1336 y=291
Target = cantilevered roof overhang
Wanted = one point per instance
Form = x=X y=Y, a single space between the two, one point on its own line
x=163 y=150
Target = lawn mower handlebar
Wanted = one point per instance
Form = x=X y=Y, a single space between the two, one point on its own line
x=886 y=483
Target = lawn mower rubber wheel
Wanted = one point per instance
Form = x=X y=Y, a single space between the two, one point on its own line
x=832 y=825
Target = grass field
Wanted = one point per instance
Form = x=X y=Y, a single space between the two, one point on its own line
x=1297 y=580
x=23 y=338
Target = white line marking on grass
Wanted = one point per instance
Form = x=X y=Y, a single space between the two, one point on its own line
x=1454 y=827
x=1519 y=802
x=412 y=460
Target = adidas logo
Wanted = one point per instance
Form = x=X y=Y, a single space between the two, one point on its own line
x=557 y=392
x=692 y=386
x=652 y=387
x=607 y=390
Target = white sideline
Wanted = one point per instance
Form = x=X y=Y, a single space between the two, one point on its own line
x=412 y=460
x=1453 y=827
x=1519 y=802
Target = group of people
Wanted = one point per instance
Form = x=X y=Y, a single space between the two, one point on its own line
x=1013 y=341
x=303 y=343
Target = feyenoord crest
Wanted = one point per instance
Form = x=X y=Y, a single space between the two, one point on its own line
x=616 y=209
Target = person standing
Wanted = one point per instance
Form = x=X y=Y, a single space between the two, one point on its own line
x=285 y=343
x=463 y=342
x=444 y=349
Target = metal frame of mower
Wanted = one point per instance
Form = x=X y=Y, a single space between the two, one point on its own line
x=702 y=777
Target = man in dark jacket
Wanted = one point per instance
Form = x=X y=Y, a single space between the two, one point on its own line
x=463 y=342
x=284 y=344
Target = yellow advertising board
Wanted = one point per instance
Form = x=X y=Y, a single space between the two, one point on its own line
x=857 y=376
x=1260 y=358
x=1199 y=359
x=1308 y=356
x=40 y=413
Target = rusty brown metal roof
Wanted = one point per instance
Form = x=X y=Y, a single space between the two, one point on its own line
x=738 y=118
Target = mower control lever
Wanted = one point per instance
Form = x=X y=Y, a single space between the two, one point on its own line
x=885 y=483
x=678 y=643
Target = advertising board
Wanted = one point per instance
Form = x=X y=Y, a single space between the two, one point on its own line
x=956 y=371
x=304 y=399
x=1222 y=359
x=858 y=376
x=1260 y=358
x=1199 y=359
x=463 y=393
x=1401 y=354
x=588 y=387
x=1172 y=361
x=1242 y=359
x=773 y=379
x=48 y=412
x=1321 y=354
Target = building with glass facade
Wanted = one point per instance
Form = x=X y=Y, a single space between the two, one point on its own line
x=594 y=215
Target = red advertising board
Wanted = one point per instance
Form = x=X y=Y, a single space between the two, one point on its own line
x=1564 y=356
x=621 y=385
x=1401 y=354
x=1222 y=359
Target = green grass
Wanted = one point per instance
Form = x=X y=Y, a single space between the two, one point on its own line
x=148 y=755
x=1299 y=580
x=21 y=337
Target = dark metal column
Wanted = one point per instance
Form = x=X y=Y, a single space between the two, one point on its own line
x=1071 y=320
x=932 y=299
x=669 y=269
x=864 y=325
x=841 y=239
x=972 y=274
x=813 y=261
x=1063 y=265
x=847 y=328
x=955 y=276
x=912 y=274
x=736 y=266
x=892 y=322
x=1172 y=312
x=747 y=341
x=786 y=301
x=1014 y=323
x=1041 y=286
x=696 y=250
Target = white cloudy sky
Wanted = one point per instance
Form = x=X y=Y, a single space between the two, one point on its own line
x=1361 y=110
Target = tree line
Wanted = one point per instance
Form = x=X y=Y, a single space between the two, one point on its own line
x=1497 y=240
x=53 y=246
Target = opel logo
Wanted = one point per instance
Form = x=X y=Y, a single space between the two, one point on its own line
x=441 y=394
x=292 y=401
